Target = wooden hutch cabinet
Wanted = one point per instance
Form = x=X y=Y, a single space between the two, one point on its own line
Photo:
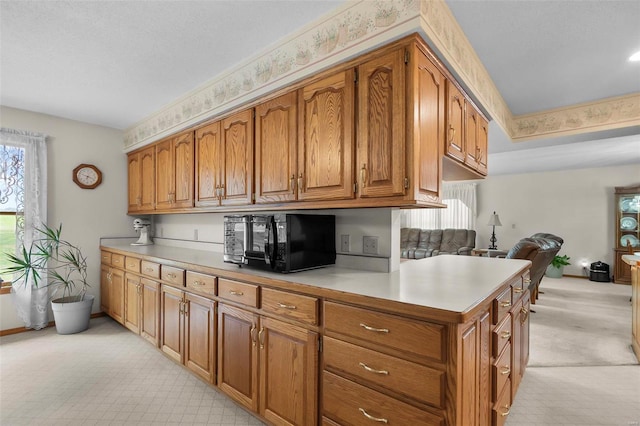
x=627 y=220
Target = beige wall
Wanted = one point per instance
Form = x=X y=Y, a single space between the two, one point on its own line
x=86 y=215
x=577 y=205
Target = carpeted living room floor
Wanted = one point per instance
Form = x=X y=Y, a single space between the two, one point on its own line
x=581 y=371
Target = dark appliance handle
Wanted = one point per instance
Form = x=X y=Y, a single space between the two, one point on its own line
x=270 y=249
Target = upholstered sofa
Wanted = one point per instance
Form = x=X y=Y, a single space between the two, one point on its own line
x=418 y=243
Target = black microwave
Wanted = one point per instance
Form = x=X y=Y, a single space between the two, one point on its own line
x=280 y=242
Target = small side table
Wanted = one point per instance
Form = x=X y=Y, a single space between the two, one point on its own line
x=488 y=252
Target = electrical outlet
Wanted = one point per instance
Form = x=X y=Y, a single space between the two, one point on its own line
x=370 y=245
x=345 y=245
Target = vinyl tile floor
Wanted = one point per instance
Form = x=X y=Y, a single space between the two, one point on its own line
x=109 y=376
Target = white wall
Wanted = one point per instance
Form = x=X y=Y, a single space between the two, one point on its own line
x=86 y=215
x=577 y=205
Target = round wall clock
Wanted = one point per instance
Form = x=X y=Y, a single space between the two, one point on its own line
x=87 y=176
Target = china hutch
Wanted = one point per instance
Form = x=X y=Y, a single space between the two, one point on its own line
x=627 y=218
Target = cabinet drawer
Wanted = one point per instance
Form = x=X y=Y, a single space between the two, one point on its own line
x=132 y=264
x=417 y=337
x=349 y=403
x=238 y=292
x=501 y=371
x=407 y=378
x=150 y=269
x=105 y=257
x=501 y=305
x=518 y=287
x=201 y=283
x=501 y=335
x=117 y=260
x=290 y=305
x=172 y=275
x=502 y=407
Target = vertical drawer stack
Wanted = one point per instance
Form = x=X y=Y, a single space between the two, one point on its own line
x=382 y=368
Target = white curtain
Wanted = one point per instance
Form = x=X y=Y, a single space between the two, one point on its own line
x=460 y=213
x=31 y=302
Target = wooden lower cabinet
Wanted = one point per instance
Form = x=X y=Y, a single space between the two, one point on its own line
x=268 y=366
x=112 y=292
x=132 y=300
x=188 y=330
x=635 y=309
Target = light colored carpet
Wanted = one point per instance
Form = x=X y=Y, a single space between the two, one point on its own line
x=581 y=323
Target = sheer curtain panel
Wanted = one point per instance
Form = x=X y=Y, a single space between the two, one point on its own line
x=31 y=302
x=460 y=213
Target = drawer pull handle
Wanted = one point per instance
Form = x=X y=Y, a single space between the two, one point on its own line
x=506 y=413
x=377 y=330
x=505 y=334
x=171 y=275
x=527 y=280
x=505 y=371
x=518 y=290
x=197 y=283
x=373 y=370
x=252 y=334
x=236 y=293
x=370 y=417
x=525 y=314
x=282 y=305
x=506 y=304
x=148 y=269
x=261 y=337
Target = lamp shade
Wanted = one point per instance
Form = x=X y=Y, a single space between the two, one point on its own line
x=494 y=220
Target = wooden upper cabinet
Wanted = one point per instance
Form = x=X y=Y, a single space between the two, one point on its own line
x=472 y=125
x=275 y=149
x=142 y=166
x=236 y=162
x=381 y=126
x=174 y=172
x=482 y=141
x=455 y=117
x=428 y=126
x=325 y=138
x=208 y=153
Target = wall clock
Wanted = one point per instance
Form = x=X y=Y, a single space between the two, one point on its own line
x=87 y=176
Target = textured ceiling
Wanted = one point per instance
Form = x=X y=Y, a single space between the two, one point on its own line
x=114 y=63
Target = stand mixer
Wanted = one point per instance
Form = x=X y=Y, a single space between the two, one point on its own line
x=143 y=226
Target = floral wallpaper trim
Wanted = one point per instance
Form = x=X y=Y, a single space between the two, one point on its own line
x=335 y=37
x=611 y=113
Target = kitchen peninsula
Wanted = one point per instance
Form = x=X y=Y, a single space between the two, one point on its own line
x=441 y=341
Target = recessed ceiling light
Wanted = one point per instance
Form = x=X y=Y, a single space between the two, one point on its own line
x=635 y=57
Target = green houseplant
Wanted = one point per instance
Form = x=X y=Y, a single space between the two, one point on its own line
x=65 y=269
x=556 y=267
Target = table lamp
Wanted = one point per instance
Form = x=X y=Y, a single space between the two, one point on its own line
x=494 y=221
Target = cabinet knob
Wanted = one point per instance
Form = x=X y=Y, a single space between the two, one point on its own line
x=293 y=184
x=363 y=175
x=300 y=185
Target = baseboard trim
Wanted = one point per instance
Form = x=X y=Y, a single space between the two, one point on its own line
x=575 y=276
x=50 y=324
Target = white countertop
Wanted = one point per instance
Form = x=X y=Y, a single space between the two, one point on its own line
x=631 y=259
x=447 y=282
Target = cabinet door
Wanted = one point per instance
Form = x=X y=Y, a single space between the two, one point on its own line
x=132 y=303
x=238 y=355
x=135 y=182
x=164 y=174
x=468 y=361
x=275 y=153
x=105 y=289
x=208 y=155
x=455 y=123
x=117 y=295
x=472 y=126
x=148 y=179
x=288 y=373
x=482 y=142
x=172 y=307
x=381 y=126
x=236 y=166
x=183 y=163
x=325 y=138
x=150 y=317
x=199 y=335
x=520 y=346
x=428 y=128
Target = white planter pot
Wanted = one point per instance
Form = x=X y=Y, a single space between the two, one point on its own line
x=553 y=272
x=72 y=316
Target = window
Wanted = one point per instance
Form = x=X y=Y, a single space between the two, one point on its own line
x=11 y=201
x=460 y=213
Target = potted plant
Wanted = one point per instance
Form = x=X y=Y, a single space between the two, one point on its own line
x=65 y=268
x=556 y=267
